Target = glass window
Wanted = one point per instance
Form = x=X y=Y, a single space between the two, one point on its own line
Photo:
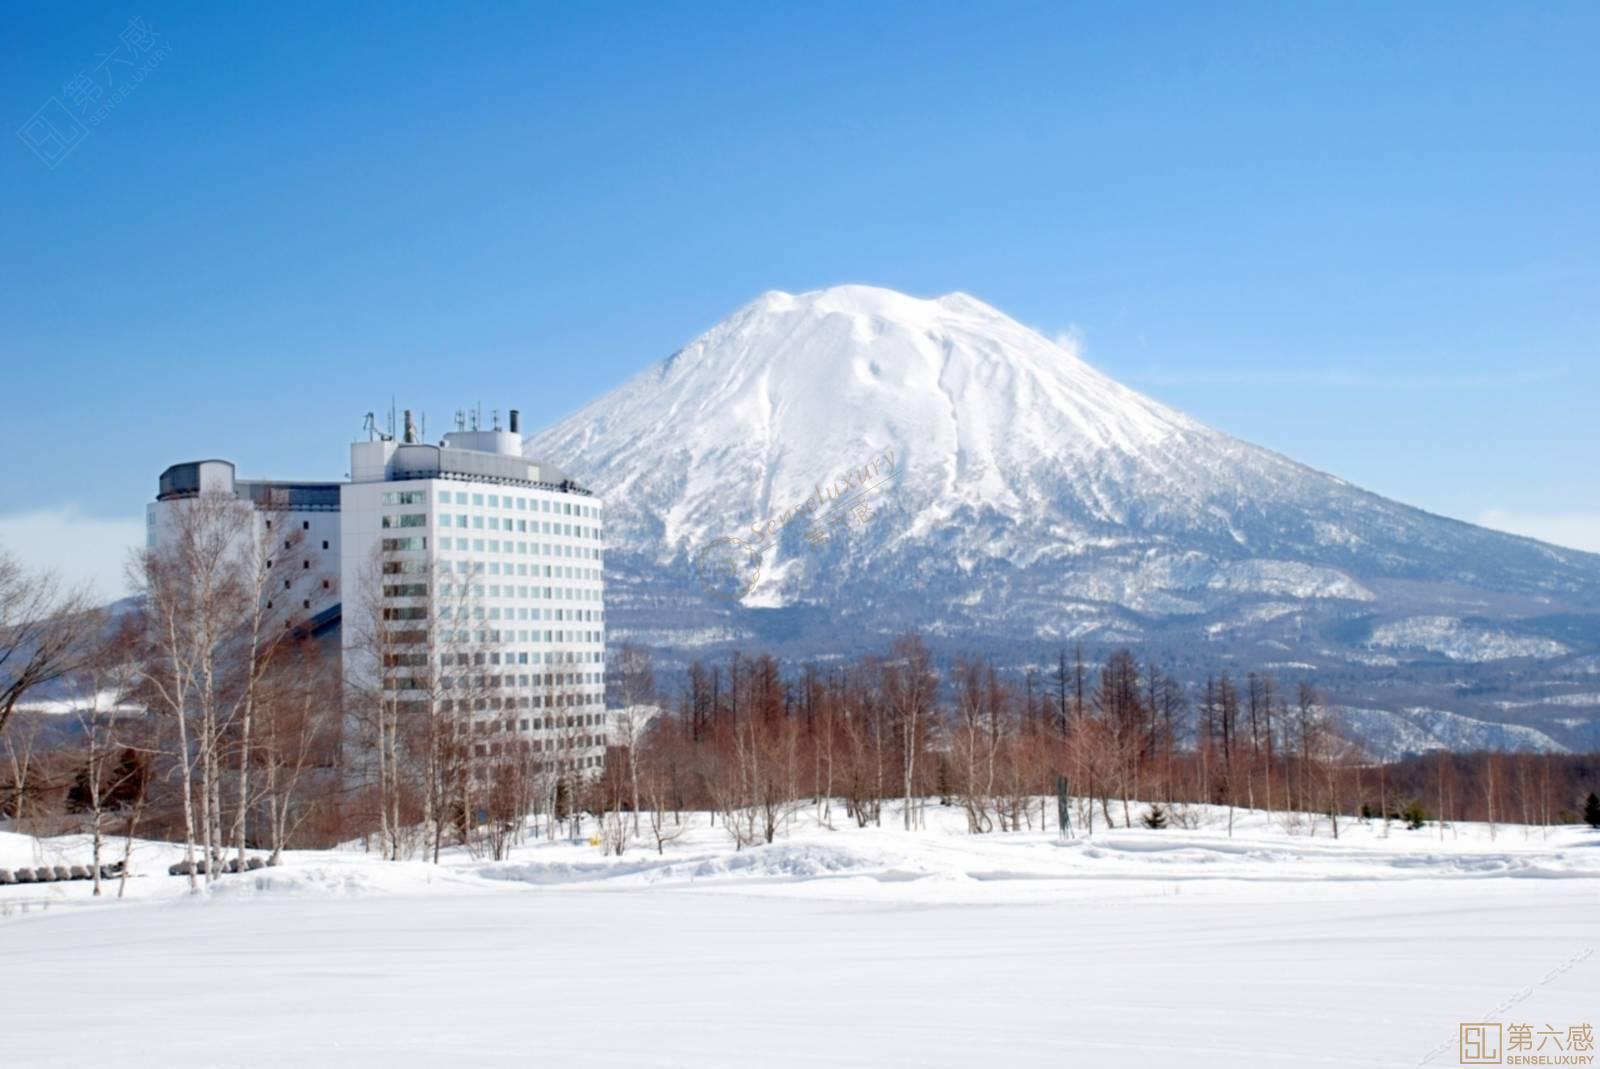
x=408 y=519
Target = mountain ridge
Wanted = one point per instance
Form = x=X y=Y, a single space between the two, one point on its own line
x=1034 y=500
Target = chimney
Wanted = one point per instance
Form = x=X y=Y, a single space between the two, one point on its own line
x=516 y=422
x=411 y=430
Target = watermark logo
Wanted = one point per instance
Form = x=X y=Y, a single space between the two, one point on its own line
x=62 y=123
x=728 y=567
x=1481 y=1043
x=1493 y=1043
x=1489 y=1042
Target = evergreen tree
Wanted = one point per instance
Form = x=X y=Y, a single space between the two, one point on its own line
x=1155 y=819
x=79 y=796
x=1591 y=810
x=127 y=780
x=1414 y=815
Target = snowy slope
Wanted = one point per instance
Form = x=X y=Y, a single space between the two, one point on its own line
x=1392 y=734
x=1016 y=495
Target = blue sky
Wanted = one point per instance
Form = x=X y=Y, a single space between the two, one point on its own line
x=1362 y=234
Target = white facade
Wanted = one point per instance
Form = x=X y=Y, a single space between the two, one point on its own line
x=496 y=558
x=498 y=561
x=299 y=529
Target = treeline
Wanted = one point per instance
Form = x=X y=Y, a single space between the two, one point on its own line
x=211 y=718
x=752 y=745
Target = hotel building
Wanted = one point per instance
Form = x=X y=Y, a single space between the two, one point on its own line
x=459 y=573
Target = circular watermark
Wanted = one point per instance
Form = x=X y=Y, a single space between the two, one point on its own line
x=728 y=567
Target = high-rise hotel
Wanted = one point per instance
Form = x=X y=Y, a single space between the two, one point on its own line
x=496 y=558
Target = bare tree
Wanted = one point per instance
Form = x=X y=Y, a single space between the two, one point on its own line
x=106 y=774
x=299 y=728
x=909 y=684
x=45 y=631
x=633 y=682
x=657 y=780
x=193 y=601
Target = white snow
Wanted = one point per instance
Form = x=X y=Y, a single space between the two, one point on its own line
x=847 y=947
x=1006 y=444
x=1460 y=641
x=1391 y=734
x=1283 y=578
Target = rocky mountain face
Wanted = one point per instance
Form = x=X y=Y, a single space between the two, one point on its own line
x=821 y=471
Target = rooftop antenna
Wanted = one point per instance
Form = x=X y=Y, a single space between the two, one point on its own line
x=370 y=425
x=461 y=419
x=424 y=436
x=495 y=415
x=391 y=417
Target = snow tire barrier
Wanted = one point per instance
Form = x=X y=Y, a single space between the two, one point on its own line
x=182 y=868
x=58 y=873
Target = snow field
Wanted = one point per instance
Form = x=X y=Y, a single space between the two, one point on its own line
x=856 y=947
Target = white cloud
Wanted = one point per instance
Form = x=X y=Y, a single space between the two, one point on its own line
x=78 y=547
x=1071 y=339
x=1575 y=530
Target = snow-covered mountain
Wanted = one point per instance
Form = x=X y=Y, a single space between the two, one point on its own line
x=823 y=469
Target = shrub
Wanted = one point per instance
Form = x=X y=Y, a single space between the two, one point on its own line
x=1414 y=815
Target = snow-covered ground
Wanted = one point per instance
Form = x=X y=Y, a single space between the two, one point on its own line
x=863 y=947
